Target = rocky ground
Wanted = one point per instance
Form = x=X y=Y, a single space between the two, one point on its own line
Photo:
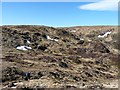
x=69 y=57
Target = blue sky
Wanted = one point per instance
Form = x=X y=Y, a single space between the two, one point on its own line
x=56 y=14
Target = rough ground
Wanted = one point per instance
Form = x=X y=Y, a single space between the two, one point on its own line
x=69 y=57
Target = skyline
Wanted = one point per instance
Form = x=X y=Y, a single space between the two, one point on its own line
x=57 y=14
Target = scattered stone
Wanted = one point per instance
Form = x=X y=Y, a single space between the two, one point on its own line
x=44 y=36
x=77 y=61
x=11 y=73
x=11 y=84
x=83 y=84
x=27 y=76
x=40 y=74
x=63 y=65
x=37 y=34
x=81 y=42
x=98 y=61
x=56 y=75
x=101 y=48
x=43 y=48
x=88 y=74
x=77 y=78
x=70 y=87
x=35 y=45
x=94 y=87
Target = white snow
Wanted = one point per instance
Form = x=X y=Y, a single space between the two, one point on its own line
x=28 y=41
x=28 y=47
x=72 y=31
x=13 y=87
x=23 y=48
x=105 y=35
x=15 y=83
x=48 y=37
x=56 y=40
x=81 y=39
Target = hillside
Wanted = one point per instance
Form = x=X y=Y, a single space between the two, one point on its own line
x=66 y=57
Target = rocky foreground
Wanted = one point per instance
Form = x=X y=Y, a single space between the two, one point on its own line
x=70 y=57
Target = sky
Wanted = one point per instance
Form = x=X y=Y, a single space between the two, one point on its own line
x=60 y=14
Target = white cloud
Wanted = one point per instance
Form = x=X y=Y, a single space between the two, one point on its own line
x=101 y=5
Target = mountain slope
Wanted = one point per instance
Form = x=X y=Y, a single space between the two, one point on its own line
x=71 y=57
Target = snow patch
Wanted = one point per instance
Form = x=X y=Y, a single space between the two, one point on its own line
x=81 y=39
x=72 y=31
x=48 y=37
x=104 y=35
x=56 y=40
x=23 y=48
x=28 y=41
x=13 y=87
